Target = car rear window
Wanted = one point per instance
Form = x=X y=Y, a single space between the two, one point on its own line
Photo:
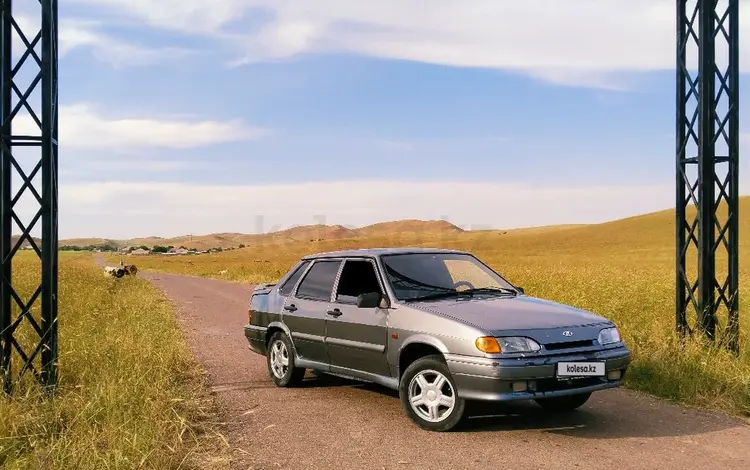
x=289 y=284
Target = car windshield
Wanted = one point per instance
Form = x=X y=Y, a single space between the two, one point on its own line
x=422 y=276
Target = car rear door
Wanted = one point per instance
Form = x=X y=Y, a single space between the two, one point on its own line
x=356 y=337
x=305 y=311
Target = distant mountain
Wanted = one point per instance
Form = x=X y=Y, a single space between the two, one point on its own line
x=90 y=242
x=310 y=233
x=299 y=234
x=302 y=233
x=14 y=240
x=408 y=226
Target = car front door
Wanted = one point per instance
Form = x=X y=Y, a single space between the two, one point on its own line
x=357 y=337
x=306 y=310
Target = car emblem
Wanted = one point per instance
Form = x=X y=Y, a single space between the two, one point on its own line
x=567 y=333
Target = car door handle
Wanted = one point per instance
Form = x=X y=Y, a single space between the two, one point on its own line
x=334 y=313
x=291 y=308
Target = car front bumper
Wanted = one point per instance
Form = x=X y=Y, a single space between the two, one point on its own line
x=496 y=379
x=256 y=338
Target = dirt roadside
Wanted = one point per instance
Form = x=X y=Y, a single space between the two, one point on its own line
x=334 y=424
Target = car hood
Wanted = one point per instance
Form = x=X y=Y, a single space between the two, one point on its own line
x=511 y=313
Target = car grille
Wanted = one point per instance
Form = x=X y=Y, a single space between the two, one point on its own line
x=569 y=345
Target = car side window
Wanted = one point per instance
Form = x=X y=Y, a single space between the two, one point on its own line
x=357 y=277
x=318 y=283
x=289 y=284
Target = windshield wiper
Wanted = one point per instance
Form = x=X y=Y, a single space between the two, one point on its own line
x=485 y=290
x=469 y=292
x=433 y=296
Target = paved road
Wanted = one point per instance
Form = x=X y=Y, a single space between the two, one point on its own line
x=329 y=423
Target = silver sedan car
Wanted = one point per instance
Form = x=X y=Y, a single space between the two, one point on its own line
x=439 y=326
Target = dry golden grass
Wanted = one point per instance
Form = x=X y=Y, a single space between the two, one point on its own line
x=130 y=395
x=624 y=270
x=537 y=230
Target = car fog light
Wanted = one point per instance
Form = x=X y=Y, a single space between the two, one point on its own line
x=519 y=386
x=614 y=375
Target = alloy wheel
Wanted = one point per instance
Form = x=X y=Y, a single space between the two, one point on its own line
x=279 y=359
x=431 y=396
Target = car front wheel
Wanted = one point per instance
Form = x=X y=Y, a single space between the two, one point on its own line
x=564 y=403
x=428 y=395
x=280 y=360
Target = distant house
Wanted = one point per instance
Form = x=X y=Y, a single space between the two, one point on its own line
x=140 y=252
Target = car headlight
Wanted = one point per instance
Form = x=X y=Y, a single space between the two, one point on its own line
x=508 y=344
x=609 y=336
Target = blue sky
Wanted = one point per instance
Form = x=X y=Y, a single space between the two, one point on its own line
x=179 y=117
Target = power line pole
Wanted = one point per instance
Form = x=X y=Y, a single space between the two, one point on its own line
x=707 y=170
x=34 y=107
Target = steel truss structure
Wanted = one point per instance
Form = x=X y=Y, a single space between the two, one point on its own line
x=28 y=113
x=707 y=170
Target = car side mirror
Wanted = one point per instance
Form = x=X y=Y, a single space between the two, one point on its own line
x=369 y=300
x=520 y=289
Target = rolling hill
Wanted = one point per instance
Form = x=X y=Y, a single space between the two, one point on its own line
x=407 y=226
x=14 y=240
x=617 y=231
x=302 y=233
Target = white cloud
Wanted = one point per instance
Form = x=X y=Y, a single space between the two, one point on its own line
x=116 y=52
x=85 y=34
x=83 y=126
x=570 y=42
x=121 y=209
x=196 y=16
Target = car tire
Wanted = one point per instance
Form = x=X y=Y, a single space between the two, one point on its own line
x=564 y=403
x=280 y=350
x=428 y=370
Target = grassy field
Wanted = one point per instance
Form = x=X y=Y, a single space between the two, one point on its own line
x=130 y=395
x=623 y=270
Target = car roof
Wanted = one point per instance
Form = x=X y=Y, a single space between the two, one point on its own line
x=376 y=252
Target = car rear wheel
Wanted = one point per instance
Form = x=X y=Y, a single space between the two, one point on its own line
x=280 y=360
x=428 y=395
x=565 y=403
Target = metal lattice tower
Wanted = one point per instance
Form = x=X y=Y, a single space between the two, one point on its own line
x=707 y=173
x=28 y=113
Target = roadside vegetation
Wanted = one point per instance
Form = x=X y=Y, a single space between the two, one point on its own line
x=624 y=270
x=129 y=396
